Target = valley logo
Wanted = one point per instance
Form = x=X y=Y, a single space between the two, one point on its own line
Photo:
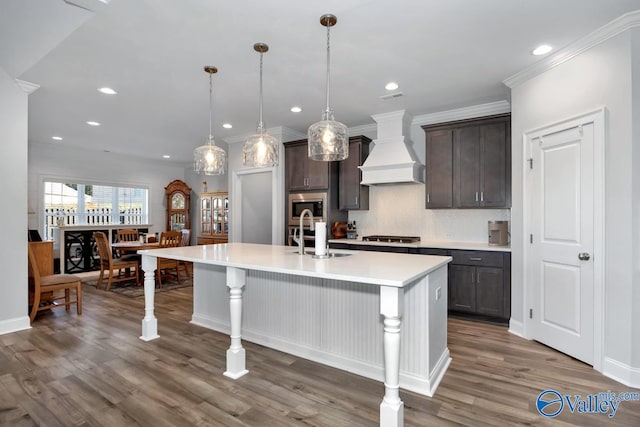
x=551 y=403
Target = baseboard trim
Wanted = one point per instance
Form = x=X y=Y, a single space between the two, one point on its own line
x=516 y=327
x=14 y=325
x=621 y=372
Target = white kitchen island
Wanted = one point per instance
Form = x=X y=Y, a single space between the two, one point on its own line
x=380 y=315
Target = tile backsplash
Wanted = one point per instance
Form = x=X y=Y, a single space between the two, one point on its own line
x=399 y=210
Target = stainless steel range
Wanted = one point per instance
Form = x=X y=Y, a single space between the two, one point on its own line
x=391 y=239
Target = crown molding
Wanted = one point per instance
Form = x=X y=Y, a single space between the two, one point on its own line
x=27 y=86
x=282 y=133
x=290 y=134
x=363 y=129
x=481 y=110
x=619 y=25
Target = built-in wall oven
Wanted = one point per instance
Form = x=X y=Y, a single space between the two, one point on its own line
x=298 y=202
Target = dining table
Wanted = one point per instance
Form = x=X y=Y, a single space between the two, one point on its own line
x=134 y=246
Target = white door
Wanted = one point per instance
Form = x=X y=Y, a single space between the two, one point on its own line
x=255 y=208
x=560 y=266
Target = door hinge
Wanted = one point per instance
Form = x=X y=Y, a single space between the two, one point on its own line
x=531 y=313
x=531 y=238
x=530 y=163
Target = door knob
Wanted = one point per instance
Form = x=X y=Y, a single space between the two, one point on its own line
x=584 y=256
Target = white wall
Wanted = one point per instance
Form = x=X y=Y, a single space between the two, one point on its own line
x=13 y=218
x=600 y=76
x=635 y=55
x=97 y=167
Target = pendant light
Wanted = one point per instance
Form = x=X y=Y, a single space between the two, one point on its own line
x=209 y=159
x=328 y=139
x=260 y=149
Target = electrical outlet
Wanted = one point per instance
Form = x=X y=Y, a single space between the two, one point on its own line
x=438 y=293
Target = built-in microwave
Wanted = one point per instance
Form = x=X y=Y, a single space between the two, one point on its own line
x=315 y=202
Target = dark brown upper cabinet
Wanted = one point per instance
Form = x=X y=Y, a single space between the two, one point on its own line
x=439 y=169
x=303 y=173
x=468 y=163
x=353 y=195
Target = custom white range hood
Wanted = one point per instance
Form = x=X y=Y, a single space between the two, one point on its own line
x=390 y=161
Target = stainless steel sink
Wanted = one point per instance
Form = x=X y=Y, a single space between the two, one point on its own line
x=330 y=255
x=333 y=255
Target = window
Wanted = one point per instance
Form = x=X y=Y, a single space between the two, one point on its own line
x=68 y=204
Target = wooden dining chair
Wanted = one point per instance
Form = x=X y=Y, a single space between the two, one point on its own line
x=110 y=264
x=50 y=284
x=127 y=235
x=186 y=241
x=168 y=239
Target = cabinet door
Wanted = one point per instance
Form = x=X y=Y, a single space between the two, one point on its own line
x=317 y=173
x=493 y=165
x=439 y=169
x=462 y=288
x=205 y=216
x=490 y=291
x=467 y=167
x=296 y=158
x=352 y=195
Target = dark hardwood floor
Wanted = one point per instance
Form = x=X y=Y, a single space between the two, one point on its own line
x=93 y=370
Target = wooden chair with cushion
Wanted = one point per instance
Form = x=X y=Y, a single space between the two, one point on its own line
x=49 y=284
x=108 y=263
x=168 y=239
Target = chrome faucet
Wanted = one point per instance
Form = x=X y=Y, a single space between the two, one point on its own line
x=300 y=240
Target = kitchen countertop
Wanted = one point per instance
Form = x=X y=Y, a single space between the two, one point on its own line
x=439 y=244
x=374 y=268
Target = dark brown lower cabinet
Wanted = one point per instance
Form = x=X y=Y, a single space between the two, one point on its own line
x=462 y=288
x=480 y=283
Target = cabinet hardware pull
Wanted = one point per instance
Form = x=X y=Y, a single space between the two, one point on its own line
x=356 y=200
x=476 y=196
x=482 y=196
x=475 y=259
x=428 y=201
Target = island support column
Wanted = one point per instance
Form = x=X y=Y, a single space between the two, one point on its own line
x=236 y=279
x=391 y=307
x=150 y=322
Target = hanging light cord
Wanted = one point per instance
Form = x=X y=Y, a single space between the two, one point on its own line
x=261 y=123
x=210 y=105
x=328 y=110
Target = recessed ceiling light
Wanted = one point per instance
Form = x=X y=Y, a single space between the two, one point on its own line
x=296 y=109
x=107 y=90
x=391 y=86
x=93 y=123
x=227 y=125
x=166 y=156
x=542 y=49
x=56 y=138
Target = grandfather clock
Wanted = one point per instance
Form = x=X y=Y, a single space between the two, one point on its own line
x=178 y=205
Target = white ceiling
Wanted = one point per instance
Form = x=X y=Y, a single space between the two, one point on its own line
x=443 y=54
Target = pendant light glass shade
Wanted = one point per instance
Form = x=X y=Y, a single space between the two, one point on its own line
x=328 y=139
x=260 y=149
x=209 y=159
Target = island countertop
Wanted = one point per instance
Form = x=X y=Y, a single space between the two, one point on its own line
x=382 y=269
